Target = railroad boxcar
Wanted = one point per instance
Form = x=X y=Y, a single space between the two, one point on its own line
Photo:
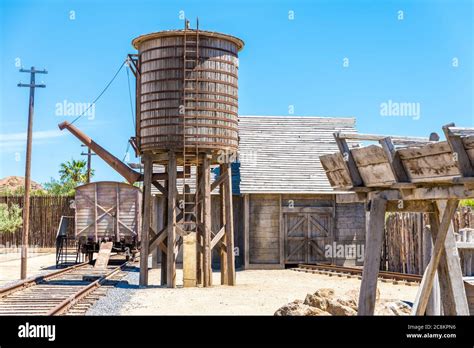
x=108 y=211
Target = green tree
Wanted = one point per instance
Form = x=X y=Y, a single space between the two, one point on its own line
x=10 y=218
x=58 y=188
x=71 y=174
x=74 y=171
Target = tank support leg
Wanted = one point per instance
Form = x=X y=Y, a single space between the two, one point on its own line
x=148 y=172
x=171 y=258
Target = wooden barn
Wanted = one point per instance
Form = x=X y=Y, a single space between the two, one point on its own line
x=290 y=212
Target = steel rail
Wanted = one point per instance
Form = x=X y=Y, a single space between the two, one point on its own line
x=33 y=281
x=74 y=298
x=358 y=271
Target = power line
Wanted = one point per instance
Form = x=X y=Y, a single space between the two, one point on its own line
x=101 y=93
x=126 y=151
x=130 y=98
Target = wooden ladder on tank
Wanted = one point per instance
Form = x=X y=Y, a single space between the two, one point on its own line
x=189 y=124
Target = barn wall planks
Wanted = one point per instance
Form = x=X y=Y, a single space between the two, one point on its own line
x=264 y=229
x=277 y=221
x=350 y=232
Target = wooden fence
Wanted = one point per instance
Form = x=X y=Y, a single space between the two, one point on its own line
x=45 y=214
x=403 y=251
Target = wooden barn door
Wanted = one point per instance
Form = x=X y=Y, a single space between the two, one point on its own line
x=306 y=235
x=296 y=231
x=319 y=235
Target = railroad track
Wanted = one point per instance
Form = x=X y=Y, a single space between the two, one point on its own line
x=353 y=272
x=71 y=291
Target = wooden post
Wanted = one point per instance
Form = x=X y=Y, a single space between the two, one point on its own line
x=207 y=267
x=158 y=224
x=199 y=236
x=171 y=239
x=394 y=160
x=29 y=140
x=148 y=173
x=349 y=161
x=189 y=248
x=164 y=258
x=247 y=231
x=223 y=244
x=453 y=293
x=373 y=251
x=440 y=232
x=229 y=224
x=434 y=302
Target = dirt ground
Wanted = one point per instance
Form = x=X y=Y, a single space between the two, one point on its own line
x=259 y=292
x=38 y=263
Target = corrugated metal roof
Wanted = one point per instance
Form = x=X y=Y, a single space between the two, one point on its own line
x=280 y=154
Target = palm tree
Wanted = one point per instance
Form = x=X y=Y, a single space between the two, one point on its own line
x=74 y=171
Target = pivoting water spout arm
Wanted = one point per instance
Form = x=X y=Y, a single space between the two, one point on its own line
x=129 y=174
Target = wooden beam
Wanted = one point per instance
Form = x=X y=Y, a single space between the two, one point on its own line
x=349 y=161
x=433 y=306
x=426 y=193
x=164 y=176
x=199 y=234
x=453 y=294
x=374 y=137
x=207 y=225
x=281 y=231
x=460 y=155
x=148 y=171
x=160 y=188
x=396 y=165
x=164 y=251
x=158 y=239
x=171 y=238
x=410 y=206
x=246 y=217
x=229 y=225
x=189 y=246
x=218 y=181
x=373 y=250
x=117 y=212
x=218 y=237
x=441 y=231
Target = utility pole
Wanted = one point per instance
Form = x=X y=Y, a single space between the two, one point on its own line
x=26 y=201
x=89 y=155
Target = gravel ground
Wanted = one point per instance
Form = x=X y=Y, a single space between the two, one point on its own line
x=117 y=296
x=258 y=292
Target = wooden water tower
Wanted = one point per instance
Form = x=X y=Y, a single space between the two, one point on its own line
x=187 y=121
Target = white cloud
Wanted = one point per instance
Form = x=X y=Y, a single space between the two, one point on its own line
x=11 y=142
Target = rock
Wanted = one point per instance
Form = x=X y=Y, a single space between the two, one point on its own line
x=325 y=292
x=298 y=308
x=316 y=301
x=349 y=302
x=336 y=308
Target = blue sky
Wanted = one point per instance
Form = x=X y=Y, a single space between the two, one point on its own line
x=424 y=58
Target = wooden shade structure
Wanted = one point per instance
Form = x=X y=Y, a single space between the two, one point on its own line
x=420 y=176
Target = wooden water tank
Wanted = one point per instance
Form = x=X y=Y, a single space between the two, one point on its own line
x=208 y=84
